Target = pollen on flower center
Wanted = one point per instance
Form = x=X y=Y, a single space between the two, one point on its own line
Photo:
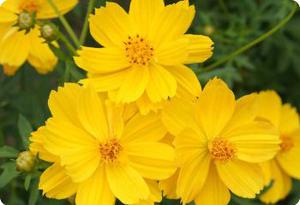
x=286 y=143
x=29 y=6
x=138 y=50
x=222 y=150
x=110 y=150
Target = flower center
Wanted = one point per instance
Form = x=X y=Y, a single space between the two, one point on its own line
x=110 y=150
x=29 y=6
x=286 y=143
x=222 y=150
x=138 y=50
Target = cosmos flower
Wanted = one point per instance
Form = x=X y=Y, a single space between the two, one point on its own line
x=144 y=51
x=221 y=150
x=105 y=154
x=20 y=36
x=285 y=165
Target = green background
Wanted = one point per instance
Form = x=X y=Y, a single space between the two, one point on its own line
x=272 y=64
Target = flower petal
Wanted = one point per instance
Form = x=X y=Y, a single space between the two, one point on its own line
x=162 y=85
x=242 y=178
x=56 y=184
x=127 y=184
x=7 y=16
x=144 y=129
x=213 y=191
x=133 y=85
x=46 y=11
x=110 y=25
x=101 y=60
x=289 y=119
x=215 y=107
x=40 y=55
x=199 y=48
x=152 y=160
x=95 y=190
x=169 y=186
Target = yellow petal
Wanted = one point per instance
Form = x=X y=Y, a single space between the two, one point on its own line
x=143 y=129
x=105 y=82
x=10 y=70
x=172 y=53
x=242 y=178
x=7 y=16
x=214 y=191
x=191 y=179
x=114 y=119
x=269 y=107
x=186 y=78
x=92 y=115
x=155 y=194
x=162 y=85
x=282 y=185
x=169 y=186
x=143 y=12
x=62 y=103
x=215 y=107
x=255 y=142
x=289 y=119
x=11 y=53
x=95 y=190
x=40 y=55
x=134 y=85
x=127 y=184
x=199 y=48
x=101 y=60
x=145 y=105
x=110 y=25
x=152 y=160
x=56 y=184
x=288 y=160
x=163 y=29
x=45 y=10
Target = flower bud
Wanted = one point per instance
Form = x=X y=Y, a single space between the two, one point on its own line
x=26 y=20
x=49 y=32
x=25 y=161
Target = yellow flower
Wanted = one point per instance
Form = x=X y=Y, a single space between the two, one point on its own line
x=143 y=52
x=106 y=153
x=18 y=46
x=286 y=164
x=221 y=150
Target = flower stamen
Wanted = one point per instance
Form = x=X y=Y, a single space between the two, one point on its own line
x=138 y=50
x=29 y=6
x=287 y=143
x=222 y=150
x=110 y=150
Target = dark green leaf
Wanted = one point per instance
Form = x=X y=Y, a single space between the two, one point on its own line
x=8 y=152
x=24 y=130
x=9 y=173
x=27 y=181
x=34 y=193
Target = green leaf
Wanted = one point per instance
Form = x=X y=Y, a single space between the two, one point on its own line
x=8 y=152
x=9 y=173
x=27 y=181
x=25 y=130
x=34 y=193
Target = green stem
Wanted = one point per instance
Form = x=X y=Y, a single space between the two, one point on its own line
x=254 y=42
x=65 y=23
x=70 y=47
x=86 y=22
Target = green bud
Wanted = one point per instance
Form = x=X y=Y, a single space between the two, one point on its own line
x=25 y=161
x=49 y=32
x=26 y=20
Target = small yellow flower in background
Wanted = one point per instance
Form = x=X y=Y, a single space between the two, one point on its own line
x=221 y=150
x=144 y=53
x=100 y=151
x=20 y=38
x=286 y=164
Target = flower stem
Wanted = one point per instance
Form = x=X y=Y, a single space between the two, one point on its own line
x=65 y=23
x=252 y=43
x=86 y=22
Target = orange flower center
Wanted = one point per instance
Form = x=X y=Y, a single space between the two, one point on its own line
x=110 y=150
x=29 y=6
x=287 y=143
x=138 y=50
x=222 y=150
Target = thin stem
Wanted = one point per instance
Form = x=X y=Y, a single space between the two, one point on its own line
x=86 y=22
x=254 y=42
x=65 y=23
x=70 y=47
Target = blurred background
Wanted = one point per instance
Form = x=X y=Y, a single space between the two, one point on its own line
x=272 y=64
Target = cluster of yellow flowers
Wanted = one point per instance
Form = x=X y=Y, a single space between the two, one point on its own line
x=140 y=125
